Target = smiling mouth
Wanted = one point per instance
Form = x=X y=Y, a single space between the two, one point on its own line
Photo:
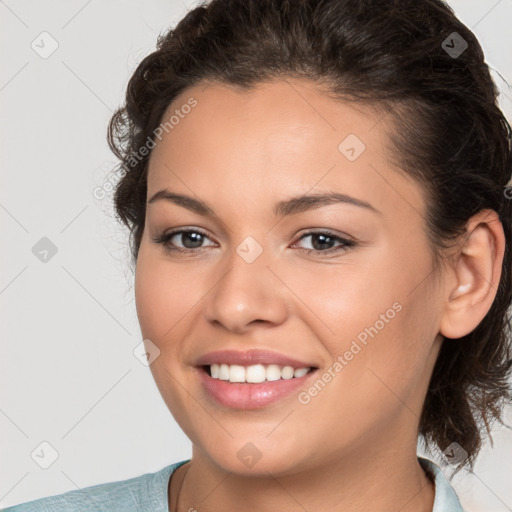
x=254 y=374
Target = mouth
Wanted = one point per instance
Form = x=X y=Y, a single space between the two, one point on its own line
x=252 y=379
x=254 y=374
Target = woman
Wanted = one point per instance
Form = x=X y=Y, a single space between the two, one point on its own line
x=321 y=227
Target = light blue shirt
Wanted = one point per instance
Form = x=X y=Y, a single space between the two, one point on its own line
x=148 y=493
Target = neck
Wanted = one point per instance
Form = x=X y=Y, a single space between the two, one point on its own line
x=384 y=481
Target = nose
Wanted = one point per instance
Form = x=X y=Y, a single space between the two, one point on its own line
x=247 y=295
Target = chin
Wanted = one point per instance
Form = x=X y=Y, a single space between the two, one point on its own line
x=258 y=458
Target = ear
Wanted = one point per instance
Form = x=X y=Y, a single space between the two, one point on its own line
x=474 y=275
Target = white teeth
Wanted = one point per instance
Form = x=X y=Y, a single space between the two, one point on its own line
x=287 y=372
x=255 y=373
x=300 y=372
x=236 y=373
x=224 y=372
x=273 y=372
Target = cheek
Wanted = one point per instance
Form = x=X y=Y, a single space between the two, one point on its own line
x=163 y=296
x=376 y=317
x=393 y=366
x=159 y=296
x=151 y=302
x=341 y=300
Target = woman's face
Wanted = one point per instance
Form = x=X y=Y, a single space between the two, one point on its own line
x=264 y=270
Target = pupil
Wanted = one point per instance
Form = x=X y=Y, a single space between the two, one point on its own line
x=322 y=244
x=196 y=239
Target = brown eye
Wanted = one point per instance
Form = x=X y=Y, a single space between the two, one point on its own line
x=188 y=238
x=324 y=242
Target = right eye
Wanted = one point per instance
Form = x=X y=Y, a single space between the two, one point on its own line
x=190 y=240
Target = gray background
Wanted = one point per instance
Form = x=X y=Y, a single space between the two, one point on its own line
x=68 y=374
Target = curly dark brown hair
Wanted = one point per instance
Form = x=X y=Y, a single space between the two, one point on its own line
x=447 y=132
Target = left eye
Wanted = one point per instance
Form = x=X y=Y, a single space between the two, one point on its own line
x=322 y=242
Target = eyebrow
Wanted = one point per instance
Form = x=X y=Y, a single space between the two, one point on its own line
x=290 y=206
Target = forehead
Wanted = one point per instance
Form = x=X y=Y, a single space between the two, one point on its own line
x=284 y=135
x=278 y=116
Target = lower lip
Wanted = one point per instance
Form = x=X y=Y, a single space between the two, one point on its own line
x=245 y=395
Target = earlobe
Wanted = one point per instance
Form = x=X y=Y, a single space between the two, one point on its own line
x=476 y=273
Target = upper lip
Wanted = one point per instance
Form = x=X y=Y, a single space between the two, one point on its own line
x=250 y=357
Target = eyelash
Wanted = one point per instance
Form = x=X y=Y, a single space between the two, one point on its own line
x=165 y=238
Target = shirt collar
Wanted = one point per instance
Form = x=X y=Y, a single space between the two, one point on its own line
x=445 y=499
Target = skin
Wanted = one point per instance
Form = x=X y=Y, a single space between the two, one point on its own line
x=353 y=446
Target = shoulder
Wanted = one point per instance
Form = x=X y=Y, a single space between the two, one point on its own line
x=144 y=492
